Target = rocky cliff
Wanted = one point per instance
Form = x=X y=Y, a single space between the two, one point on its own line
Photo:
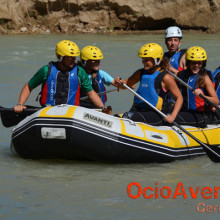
x=52 y=16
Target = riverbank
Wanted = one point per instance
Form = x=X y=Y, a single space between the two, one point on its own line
x=23 y=31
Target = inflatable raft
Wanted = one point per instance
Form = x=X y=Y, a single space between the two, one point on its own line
x=77 y=133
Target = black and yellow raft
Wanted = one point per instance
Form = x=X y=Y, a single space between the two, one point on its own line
x=78 y=133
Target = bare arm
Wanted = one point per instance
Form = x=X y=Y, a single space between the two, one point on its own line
x=96 y=100
x=25 y=93
x=183 y=62
x=131 y=81
x=208 y=85
x=169 y=84
x=166 y=65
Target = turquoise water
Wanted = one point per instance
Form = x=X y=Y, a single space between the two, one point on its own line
x=57 y=189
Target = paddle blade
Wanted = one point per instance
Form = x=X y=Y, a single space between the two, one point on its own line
x=213 y=153
x=10 y=118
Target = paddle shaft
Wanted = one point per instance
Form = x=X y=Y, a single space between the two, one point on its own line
x=189 y=87
x=3 y=109
x=34 y=109
x=100 y=93
x=174 y=123
x=10 y=118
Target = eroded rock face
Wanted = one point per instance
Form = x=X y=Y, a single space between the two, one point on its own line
x=108 y=15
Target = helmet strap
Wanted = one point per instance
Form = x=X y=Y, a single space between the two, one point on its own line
x=83 y=63
x=157 y=61
x=59 y=58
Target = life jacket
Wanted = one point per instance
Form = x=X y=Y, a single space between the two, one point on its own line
x=60 y=87
x=175 y=59
x=98 y=86
x=191 y=101
x=150 y=89
x=216 y=77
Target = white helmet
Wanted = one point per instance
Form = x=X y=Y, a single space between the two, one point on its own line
x=173 y=32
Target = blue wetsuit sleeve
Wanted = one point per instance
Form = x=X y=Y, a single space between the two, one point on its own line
x=107 y=79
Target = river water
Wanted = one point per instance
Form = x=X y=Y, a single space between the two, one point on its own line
x=60 y=189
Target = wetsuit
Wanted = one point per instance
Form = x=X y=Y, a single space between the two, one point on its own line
x=175 y=59
x=100 y=79
x=175 y=63
x=216 y=76
x=195 y=111
x=150 y=89
x=79 y=76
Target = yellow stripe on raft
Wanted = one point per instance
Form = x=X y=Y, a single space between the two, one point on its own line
x=173 y=139
x=69 y=113
x=210 y=136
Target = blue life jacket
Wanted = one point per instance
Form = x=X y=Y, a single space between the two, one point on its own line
x=191 y=101
x=148 y=91
x=216 y=77
x=60 y=87
x=98 y=86
x=175 y=59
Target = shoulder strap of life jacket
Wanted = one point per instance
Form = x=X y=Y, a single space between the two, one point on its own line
x=48 y=73
x=183 y=51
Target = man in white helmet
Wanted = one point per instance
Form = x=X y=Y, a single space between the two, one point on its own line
x=174 y=59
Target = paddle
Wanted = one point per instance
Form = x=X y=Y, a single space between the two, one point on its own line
x=100 y=93
x=212 y=151
x=189 y=87
x=10 y=118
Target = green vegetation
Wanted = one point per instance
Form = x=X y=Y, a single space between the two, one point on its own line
x=3 y=20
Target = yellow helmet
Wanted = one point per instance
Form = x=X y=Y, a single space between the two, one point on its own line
x=151 y=50
x=91 y=53
x=196 y=54
x=67 y=48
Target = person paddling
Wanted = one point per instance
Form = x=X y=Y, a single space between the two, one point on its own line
x=195 y=110
x=90 y=60
x=154 y=86
x=61 y=81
